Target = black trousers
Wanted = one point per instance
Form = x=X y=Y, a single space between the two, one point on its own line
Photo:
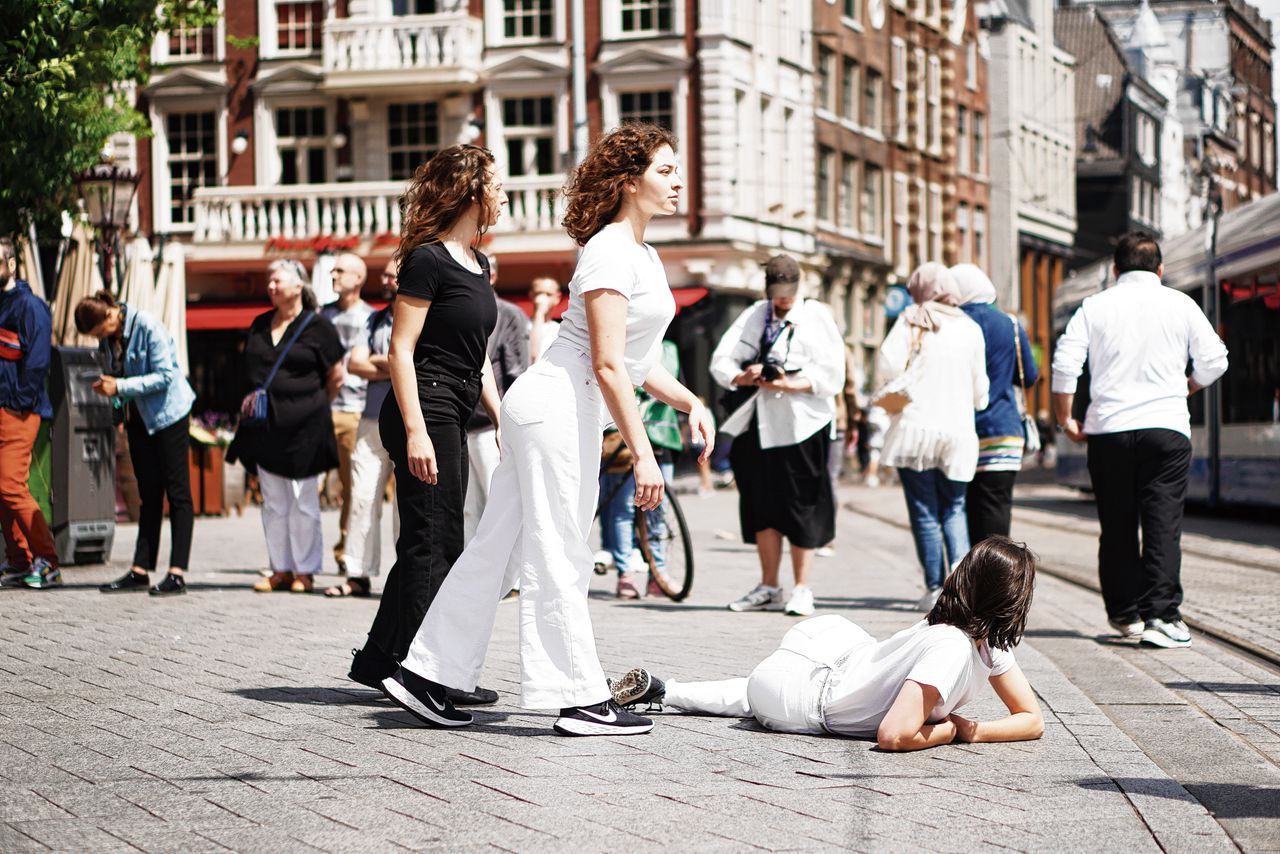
x=431 y=533
x=988 y=504
x=1140 y=482
x=161 y=464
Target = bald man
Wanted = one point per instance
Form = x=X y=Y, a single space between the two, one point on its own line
x=350 y=316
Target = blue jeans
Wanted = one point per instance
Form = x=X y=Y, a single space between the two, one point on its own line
x=936 y=508
x=617 y=521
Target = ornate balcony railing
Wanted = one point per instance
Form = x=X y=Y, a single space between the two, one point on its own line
x=433 y=44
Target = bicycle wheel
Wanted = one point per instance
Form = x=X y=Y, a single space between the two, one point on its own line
x=663 y=537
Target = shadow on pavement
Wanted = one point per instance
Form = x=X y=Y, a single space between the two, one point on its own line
x=321 y=696
x=868 y=603
x=1224 y=687
x=1224 y=800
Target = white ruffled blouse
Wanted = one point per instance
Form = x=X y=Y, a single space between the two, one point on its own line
x=936 y=430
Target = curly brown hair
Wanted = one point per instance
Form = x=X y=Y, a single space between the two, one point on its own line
x=595 y=190
x=989 y=594
x=439 y=194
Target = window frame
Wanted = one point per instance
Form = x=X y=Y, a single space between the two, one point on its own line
x=161 y=189
x=496 y=19
x=427 y=149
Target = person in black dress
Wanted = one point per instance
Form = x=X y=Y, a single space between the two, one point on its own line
x=296 y=445
x=445 y=311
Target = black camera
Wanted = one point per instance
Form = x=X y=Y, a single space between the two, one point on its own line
x=770 y=369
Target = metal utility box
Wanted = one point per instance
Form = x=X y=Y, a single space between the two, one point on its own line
x=82 y=487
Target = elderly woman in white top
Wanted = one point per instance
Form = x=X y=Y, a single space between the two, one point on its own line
x=932 y=441
x=786 y=356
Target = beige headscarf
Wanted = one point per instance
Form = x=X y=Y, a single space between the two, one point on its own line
x=974 y=285
x=935 y=293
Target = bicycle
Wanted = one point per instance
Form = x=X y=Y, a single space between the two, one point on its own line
x=661 y=535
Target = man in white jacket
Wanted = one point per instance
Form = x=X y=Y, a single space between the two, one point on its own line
x=1138 y=337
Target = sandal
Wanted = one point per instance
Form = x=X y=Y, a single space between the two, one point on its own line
x=301 y=584
x=351 y=587
x=274 y=582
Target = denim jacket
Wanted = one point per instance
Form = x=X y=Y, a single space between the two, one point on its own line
x=151 y=378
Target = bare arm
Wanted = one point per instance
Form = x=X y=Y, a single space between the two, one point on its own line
x=406 y=326
x=1024 y=723
x=905 y=726
x=364 y=364
x=1062 y=404
x=489 y=392
x=333 y=383
x=607 y=326
x=666 y=388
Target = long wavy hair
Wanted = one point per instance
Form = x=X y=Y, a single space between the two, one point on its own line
x=439 y=194
x=989 y=594
x=596 y=187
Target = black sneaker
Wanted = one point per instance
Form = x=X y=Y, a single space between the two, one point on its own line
x=636 y=687
x=128 y=583
x=424 y=699
x=370 y=668
x=606 y=718
x=478 y=697
x=170 y=585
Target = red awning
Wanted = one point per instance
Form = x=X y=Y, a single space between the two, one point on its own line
x=232 y=315
x=685 y=297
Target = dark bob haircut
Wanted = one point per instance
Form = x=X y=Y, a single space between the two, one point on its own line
x=989 y=594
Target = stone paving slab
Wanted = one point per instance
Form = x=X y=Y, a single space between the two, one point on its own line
x=221 y=721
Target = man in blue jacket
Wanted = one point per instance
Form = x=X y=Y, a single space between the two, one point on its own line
x=25 y=340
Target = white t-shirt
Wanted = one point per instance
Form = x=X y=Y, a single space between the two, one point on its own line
x=864 y=688
x=612 y=260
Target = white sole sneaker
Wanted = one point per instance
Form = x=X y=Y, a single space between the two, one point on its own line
x=574 y=726
x=1128 y=630
x=404 y=698
x=1155 y=637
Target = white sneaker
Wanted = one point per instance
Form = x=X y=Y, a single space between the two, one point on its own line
x=1126 y=628
x=1171 y=635
x=761 y=598
x=801 y=602
x=929 y=599
x=824 y=551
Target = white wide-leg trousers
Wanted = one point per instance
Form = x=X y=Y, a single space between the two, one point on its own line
x=370 y=470
x=534 y=529
x=483 y=459
x=784 y=692
x=291 y=522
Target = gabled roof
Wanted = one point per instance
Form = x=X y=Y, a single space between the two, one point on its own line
x=1016 y=11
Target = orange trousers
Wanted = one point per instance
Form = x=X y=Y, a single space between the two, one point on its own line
x=26 y=532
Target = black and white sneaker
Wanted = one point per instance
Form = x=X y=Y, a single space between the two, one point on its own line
x=606 y=718
x=638 y=686
x=424 y=699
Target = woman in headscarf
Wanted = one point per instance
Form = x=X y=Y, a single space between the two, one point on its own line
x=1001 y=439
x=932 y=441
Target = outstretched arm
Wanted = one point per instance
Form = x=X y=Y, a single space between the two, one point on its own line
x=661 y=384
x=1024 y=722
x=906 y=725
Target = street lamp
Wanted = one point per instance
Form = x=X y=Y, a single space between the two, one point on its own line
x=107 y=191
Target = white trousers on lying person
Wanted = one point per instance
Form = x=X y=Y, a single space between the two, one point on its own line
x=784 y=692
x=534 y=530
x=370 y=471
x=291 y=522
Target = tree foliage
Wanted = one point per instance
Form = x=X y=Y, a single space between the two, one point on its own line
x=65 y=67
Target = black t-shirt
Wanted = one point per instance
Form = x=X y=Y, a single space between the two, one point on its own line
x=298 y=438
x=463 y=311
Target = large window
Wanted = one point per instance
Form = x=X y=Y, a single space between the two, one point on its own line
x=414 y=7
x=191 y=43
x=529 y=129
x=193 y=160
x=962 y=233
x=919 y=76
x=872 y=202
x=413 y=135
x=826 y=157
x=527 y=19
x=901 y=225
x=849 y=194
x=1251 y=315
x=298 y=25
x=850 y=90
x=935 y=224
x=899 y=79
x=979 y=144
x=826 y=80
x=301 y=142
x=963 y=161
x=647 y=16
x=873 y=101
x=653 y=107
x=980 y=237
x=934 y=82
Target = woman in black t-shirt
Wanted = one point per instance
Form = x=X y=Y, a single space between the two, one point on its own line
x=445 y=311
x=296 y=445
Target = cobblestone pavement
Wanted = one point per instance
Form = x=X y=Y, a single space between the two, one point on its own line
x=222 y=721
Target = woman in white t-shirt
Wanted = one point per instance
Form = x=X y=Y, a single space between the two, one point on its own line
x=535 y=527
x=830 y=676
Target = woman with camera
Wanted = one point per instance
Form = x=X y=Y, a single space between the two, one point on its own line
x=783 y=362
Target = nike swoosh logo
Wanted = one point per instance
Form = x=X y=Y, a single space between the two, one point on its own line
x=604 y=719
x=439 y=707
